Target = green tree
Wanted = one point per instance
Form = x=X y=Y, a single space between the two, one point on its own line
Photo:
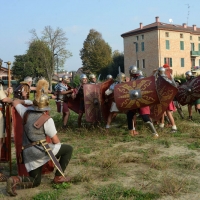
x=22 y=67
x=56 y=41
x=113 y=68
x=39 y=56
x=118 y=61
x=96 y=54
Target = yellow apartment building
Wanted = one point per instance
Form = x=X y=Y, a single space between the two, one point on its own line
x=151 y=46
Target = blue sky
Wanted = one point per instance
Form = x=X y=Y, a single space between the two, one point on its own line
x=76 y=17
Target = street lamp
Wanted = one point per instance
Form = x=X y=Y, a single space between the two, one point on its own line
x=57 y=61
x=136 y=50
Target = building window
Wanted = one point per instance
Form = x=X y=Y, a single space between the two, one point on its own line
x=181 y=45
x=199 y=62
x=182 y=62
x=199 y=38
x=168 y=61
x=193 y=62
x=136 y=46
x=192 y=46
x=138 y=64
x=166 y=34
x=143 y=63
x=142 y=46
x=142 y=37
x=5 y=78
x=190 y=37
x=137 y=37
x=167 y=44
x=181 y=35
x=199 y=49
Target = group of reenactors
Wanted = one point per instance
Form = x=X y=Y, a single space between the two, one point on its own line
x=153 y=98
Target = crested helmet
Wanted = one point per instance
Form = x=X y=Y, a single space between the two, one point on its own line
x=41 y=101
x=121 y=77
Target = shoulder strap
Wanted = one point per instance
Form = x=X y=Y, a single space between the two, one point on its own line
x=41 y=120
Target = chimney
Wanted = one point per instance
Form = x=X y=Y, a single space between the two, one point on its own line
x=141 y=26
x=157 y=19
x=184 y=25
x=194 y=27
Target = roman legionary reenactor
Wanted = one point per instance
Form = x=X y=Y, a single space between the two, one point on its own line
x=121 y=77
x=189 y=77
x=80 y=93
x=3 y=100
x=63 y=92
x=144 y=112
x=36 y=151
x=24 y=89
x=171 y=106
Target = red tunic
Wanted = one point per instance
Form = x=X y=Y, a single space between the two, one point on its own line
x=144 y=110
x=171 y=106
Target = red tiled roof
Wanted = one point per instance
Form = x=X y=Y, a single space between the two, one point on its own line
x=162 y=26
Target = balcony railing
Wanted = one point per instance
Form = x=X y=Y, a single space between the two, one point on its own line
x=195 y=53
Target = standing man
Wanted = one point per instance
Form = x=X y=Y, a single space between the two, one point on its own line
x=144 y=112
x=37 y=125
x=83 y=80
x=63 y=93
x=171 y=106
x=121 y=77
x=24 y=89
x=189 y=76
x=3 y=100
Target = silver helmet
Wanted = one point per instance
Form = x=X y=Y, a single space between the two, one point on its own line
x=140 y=72
x=133 y=70
x=109 y=76
x=66 y=79
x=83 y=76
x=161 y=71
x=188 y=73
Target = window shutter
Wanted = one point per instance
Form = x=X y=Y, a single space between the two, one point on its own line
x=170 y=62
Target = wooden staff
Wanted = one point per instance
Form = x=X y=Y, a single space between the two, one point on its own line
x=8 y=120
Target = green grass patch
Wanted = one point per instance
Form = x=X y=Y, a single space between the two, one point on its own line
x=116 y=191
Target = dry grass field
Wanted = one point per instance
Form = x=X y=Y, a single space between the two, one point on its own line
x=111 y=165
